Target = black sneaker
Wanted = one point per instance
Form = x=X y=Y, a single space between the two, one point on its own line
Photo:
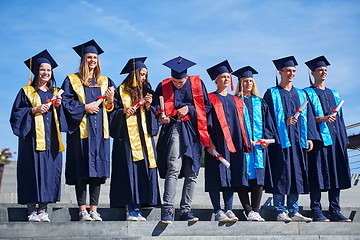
x=168 y=217
x=338 y=217
x=188 y=216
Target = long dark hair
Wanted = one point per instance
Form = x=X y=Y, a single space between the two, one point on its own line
x=139 y=91
x=50 y=84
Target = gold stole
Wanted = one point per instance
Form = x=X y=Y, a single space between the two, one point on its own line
x=35 y=101
x=133 y=130
x=79 y=90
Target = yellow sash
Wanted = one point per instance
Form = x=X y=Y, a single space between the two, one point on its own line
x=79 y=90
x=133 y=130
x=35 y=101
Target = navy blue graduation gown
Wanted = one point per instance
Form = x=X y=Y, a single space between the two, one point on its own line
x=329 y=165
x=263 y=175
x=289 y=166
x=189 y=138
x=89 y=157
x=217 y=176
x=38 y=172
x=132 y=182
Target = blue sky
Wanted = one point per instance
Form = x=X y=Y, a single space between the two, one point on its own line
x=207 y=32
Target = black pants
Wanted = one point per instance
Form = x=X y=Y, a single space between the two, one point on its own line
x=94 y=189
x=256 y=194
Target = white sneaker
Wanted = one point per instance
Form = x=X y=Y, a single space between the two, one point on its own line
x=95 y=215
x=33 y=217
x=44 y=217
x=84 y=216
x=232 y=217
x=300 y=218
x=283 y=217
x=221 y=217
x=254 y=216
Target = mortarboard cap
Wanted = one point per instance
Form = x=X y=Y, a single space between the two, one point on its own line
x=245 y=72
x=317 y=62
x=134 y=63
x=88 y=47
x=218 y=69
x=285 y=62
x=43 y=57
x=179 y=67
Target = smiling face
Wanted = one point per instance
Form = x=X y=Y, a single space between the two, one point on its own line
x=91 y=60
x=320 y=73
x=287 y=74
x=44 y=73
x=223 y=80
x=247 y=85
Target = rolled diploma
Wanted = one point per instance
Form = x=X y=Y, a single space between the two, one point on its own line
x=162 y=106
x=136 y=106
x=100 y=100
x=53 y=98
x=222 y=160
x=260 y=141
x=336 y=110
x=297 y=113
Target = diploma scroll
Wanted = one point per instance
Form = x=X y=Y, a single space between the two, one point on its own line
x=298 y=111
x=162 y=106
x=53 y=99
x=221 y=158
x=139 y=104
x=101 y=98
x=336 y=110
x=261 y=141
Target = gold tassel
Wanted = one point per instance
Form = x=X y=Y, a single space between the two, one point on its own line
x=134 y=84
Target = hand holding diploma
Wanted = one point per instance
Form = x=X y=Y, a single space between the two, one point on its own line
x=336 y=110
x=221 y=158
x=298 y=111
x=162 y=107
x=56 y=99
x=102 y=98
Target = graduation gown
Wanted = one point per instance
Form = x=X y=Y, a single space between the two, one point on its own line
x=189 y=137
x=38 y=172
x=217 y=175
x=85 y=157
x=289 y=165
x=329 y=165
x=132 y=182
x=263 y=175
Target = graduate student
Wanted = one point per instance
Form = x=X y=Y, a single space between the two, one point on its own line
x=134 y=180
x=228 y=137
x=88 y=142
x=183 y=135
x=37 y=120
x=288 y=159
x=260 y=126
x=328 y=161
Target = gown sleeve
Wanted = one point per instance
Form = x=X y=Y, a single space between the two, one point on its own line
x=22 y=118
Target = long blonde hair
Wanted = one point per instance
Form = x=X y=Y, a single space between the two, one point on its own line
x=84 y=73
x=239 y=90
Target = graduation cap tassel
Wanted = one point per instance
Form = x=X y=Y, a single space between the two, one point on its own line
x=311 y=83
x=134 y=83
x=231 y=84
x=30 y=74
x=277 y=80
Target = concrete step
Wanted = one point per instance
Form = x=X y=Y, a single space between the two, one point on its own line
x=202 y=229
x=65 y=213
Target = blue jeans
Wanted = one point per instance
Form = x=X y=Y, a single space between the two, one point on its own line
x=176 y=162
x=228 y=194
x=292 y=203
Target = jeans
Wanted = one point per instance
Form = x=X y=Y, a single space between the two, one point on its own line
x=228 y=194
x=334 y=200
x=292 y=203
x=176 y=162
